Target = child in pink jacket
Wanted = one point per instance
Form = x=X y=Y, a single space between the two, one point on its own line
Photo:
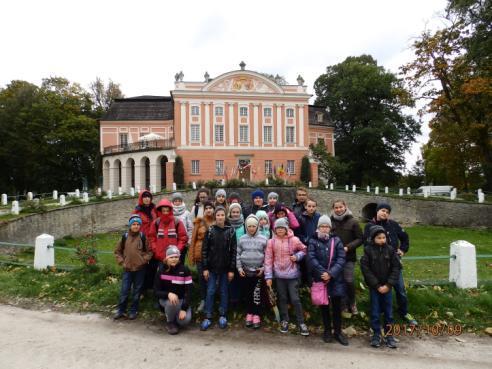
x=283 y=252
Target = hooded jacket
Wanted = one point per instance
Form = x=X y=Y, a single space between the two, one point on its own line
x=134 y=254
x=251 y=253
x=293 y=222
x=147 y=213
x=380 y=266
x=397 y=238
x=219 y=249
x=307 y=226
x=349 y=231
x=278 y=253
x=165 y=231
x=200 y=228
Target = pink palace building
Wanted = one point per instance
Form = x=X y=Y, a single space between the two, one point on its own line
x=240 y=124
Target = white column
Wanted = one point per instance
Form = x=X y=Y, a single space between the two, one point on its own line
x=301 y=126
x=109 y=194
x=409 y=191
x=55 y=195
x=85 y=197
x=29 y=196
x=231 y=125
x=346 y=187
x=15 y=208
x=280 y=132
x=207 y=124
x=139 y=176
x=4 y=199
x=183 y=124
x=256 y=137
x=126 y=178
x=132 y=192
x=400 y=193
x=44 y=253
x=376 y=191
x=386 y=190
x=62 y=200
x=368 y=189
x=77 y=193
x=113 y=179
x=463 y=266
x=154 y=177
x=481 y=197
x=331 y=186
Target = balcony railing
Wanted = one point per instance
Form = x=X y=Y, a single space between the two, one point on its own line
x=141 y=146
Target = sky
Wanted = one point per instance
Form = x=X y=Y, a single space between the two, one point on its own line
x=142 y=44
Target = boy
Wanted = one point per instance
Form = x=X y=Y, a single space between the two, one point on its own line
x=381 y=269
x=132 y=252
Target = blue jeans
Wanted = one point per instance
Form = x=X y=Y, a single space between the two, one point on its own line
x=129 y=279
x=215 y=279
x=401 y=296
x=381 y=303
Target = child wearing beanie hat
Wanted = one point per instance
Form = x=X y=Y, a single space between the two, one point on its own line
x=326 y=259
x=133 y=253
x=249 y=263
x=264 y=224
x=272 y=199
x=172 y=286
x=282 y=255
x=220 y=198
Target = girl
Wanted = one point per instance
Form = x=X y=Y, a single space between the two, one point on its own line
x=202 y=197
x=249 y=262
x=179 y=211
x=220 y=198
x=172 y=286
x=326 y=258
x=283 y=252
x=281 y=211
x=264 y=224
x=236 y=220
x=272 y=199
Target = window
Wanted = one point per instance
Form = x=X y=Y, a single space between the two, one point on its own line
x=267 y=112
x=320 y=117
x=123 y=139
x=219 y=167
x=268 y=167
x=243 y=133
x=195 y=110
x=267 y=134
x=195 y=167
x=290 y=135
x=219 y=133
x=243 y=111
x=195 y=132
x=219 y=111
x=290 y=113
x=291 y=167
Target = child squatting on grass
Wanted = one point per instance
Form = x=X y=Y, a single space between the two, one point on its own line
x=132 y=252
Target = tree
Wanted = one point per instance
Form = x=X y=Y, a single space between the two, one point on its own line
x=305 y=170
x=416 y=177
x=329 y=168
x=371 y=132
x=178 y=171
x=103 y=96
x=452 y=72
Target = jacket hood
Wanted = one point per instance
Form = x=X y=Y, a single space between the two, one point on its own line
x=140 y=197
x=162 y=203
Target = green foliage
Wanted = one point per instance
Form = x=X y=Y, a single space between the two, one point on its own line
x=33 y=206
x=330 y=168
x=371 y=132
x=416 y=177
x=178 y=171
x=86 y=253
x=305 y=170
x=104 y=95
x=212 y=184
x=234 y=183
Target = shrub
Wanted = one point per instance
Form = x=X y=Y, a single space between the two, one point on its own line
x=178 y=171
x=305 y=170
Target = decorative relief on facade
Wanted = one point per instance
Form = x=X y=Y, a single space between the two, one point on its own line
x=242 y=84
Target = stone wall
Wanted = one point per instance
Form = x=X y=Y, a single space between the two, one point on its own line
x=113 y=215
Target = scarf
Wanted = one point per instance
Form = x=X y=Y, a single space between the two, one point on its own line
x=322 y=236
x=237 y=223
x=343 y=216
x=179 y=210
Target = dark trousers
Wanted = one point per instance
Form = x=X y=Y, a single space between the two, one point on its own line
x=348 y=276
x=252 y=291
x=381 y=304
x=217 y=280
x=201 y=281
x=131 y=281
x=401 y=296
x=336 y=307
x=289 y=288
x=150 y=270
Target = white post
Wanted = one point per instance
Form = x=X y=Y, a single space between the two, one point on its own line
x=44 y=253
x=409 y=191
x=346 y=187
x=77 y=193
x=109 y=194
x=242 y=179
x=368 y=189
x=29 y=196
x=310 y=184
x=453 y=194
x=481 y=197
x=62 y=200
x=386 y=189
x=55 y=195
x=463 y=267
x=120 y=191
x=99 y=191
x=354 y=188
x=4 y=199
x=193 y=185
x=426 y=193
x=222 y=182
x=15 y=208
x=152 y=188
x=326 y=186
x=137 y=189
x=479 y=190
x=400 y=193
x=267 y=182
x=376 y=190
x=85 y=197
x=331 y=186
x=132 y=191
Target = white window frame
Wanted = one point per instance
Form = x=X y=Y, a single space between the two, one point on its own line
x=269 y=109
x=292 y=170
x=293 y=130
x=287 y=113
x=216 y=132
x=195 y=167
x=243 y=128
x=219 y=167
x=221 y=111
x=195 y=110
x=195 y=134
x=271 y=134
x=268 y=167
x=242 y=110
x=125 y=141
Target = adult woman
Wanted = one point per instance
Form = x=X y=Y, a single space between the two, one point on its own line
x=202 y=196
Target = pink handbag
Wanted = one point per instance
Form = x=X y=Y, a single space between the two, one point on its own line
x=319 y=290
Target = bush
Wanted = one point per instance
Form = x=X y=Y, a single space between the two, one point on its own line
x=234 y=183
x=178 y=171
x=305 y=170
x=212 y=184
x=34 y=207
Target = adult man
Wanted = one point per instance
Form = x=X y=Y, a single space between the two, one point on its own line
x=299 y=206
x=398 y=239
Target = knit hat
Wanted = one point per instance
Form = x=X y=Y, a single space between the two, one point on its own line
x=233 y=206
x=209 y=204
x=234 y=196
x=219 y=192
x=261 y=214
x=375 y=230
x=281 y=223
x=146 y=193
x=220 y=207
x=251 y=220
x=172 y=251
x=383 y=205
x=258 y=193
x=272 y=195
x=324 y=219
x=135 y=218
x=176 y=196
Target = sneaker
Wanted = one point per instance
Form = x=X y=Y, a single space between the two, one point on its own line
x=327 y=337
x=376 y=340
x=410 y=319
x=172 y=328
x=119 y=315
x=391 y=342
x=284 y=326
x=206 y=323
x=303 y=329
x=249 y=320
x=222 y=322
x=132 y=316
x=256 y=321
x=340 y=337
x=353 y=309
x=201 y=306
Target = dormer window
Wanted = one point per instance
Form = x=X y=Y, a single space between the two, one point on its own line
x=319 y=117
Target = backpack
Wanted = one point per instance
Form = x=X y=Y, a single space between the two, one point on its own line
x=176 y=223
x=124 y=237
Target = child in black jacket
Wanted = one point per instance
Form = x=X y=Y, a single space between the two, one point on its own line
x=172 y=286
x=381 y=268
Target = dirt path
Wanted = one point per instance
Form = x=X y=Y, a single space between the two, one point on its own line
x=52 y=340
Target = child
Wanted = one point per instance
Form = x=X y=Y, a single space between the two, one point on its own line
x=218 y=262
x=220 y=198
x=133 y=254
x=249 y=262
x=272 y=199
x=202 y=196
x=381 y=269
x=283 y=252
x=172 y=286
x=281 y=211
x=264 y=224
x=179 y=211
x=326 y=266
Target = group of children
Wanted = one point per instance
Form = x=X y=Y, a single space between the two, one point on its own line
x=241 y=250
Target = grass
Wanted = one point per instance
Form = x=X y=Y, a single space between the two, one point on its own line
x=441 y=303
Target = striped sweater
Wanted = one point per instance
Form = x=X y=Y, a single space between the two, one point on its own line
x=176 y=280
